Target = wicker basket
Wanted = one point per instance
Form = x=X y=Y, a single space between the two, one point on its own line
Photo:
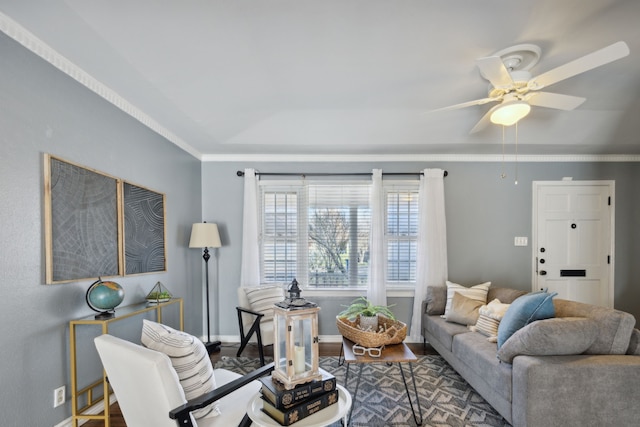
x=395 y=332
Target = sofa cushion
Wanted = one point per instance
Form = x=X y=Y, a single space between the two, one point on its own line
x=479 y=355
x=634 y=343
x=505 y=295
x=550 y=337
x=477 y=292
x=443 y=331
x=524 y=310
x=189 y=358
x=489 y=319
x=463 y=310
x=615 y=327
x=436 y=300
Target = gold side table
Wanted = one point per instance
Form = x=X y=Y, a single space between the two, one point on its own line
x=121 y=314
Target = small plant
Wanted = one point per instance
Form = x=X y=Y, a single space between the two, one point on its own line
x=159 y=295
x=362 y=306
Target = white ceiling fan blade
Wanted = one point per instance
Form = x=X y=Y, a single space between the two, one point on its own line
x=554 y=100
x=467 y=104
x=492 y=68
x=588 y=62
x=483 y=122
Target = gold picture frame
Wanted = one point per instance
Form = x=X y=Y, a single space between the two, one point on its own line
x=98 y=225
x=144 y=230
x=82 y=225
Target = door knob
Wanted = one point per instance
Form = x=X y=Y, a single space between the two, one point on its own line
x=543 y=273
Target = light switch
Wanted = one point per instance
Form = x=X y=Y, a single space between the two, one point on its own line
x=520 y=241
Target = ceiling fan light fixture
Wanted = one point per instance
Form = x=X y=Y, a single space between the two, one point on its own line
x=509 y=113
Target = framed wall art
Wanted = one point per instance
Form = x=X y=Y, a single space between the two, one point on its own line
x=82 y=238
x=144 y=230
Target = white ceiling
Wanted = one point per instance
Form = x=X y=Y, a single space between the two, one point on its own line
x=349 y=77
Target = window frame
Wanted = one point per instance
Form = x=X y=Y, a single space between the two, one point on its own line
x=413 y=188
x=300 y=187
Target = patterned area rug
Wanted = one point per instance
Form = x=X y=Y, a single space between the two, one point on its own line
x=446 y=399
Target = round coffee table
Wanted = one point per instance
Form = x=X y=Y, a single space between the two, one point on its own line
x=328 y=415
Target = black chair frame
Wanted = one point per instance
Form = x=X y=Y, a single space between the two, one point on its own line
x=254 y=329
x=182 y=413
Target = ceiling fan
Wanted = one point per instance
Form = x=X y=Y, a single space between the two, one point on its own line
x=512 y=85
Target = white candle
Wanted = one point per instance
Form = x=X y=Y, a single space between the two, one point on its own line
x=298 y=360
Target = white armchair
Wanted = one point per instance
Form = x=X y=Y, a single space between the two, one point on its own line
x=255 y=315
x=149 y=393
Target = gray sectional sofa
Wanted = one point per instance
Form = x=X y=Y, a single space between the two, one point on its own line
x=546 y=384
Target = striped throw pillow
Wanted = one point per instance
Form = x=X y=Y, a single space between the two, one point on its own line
x=477 y=292
x=262 y=299
x=489 y=319
x=189 y=358
x=488 y=327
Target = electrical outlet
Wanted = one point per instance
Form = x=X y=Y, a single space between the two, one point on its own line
x=59 y=396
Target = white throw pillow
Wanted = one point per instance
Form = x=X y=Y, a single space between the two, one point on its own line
x=189 y=358
x=262 y=299
x=477 y=292
x=489 y=319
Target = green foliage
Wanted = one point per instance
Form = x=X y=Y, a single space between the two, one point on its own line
x=363 y=306
x=159 y=295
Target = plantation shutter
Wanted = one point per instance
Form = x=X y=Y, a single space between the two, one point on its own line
x=339 y=223
x=401 y=234
x=280 y=234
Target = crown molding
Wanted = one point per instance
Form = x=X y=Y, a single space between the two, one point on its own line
x=27 y=39
x=476 y=158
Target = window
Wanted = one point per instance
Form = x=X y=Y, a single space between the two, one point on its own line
x=279 y=235
x=318 y=233
x=339 y=221
x=401 y=235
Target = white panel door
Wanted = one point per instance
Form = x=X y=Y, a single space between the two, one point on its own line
x=573 y=240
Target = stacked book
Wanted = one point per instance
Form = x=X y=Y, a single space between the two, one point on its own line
x=288 y=406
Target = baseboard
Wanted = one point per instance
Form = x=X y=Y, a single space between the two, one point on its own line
x=93 y=410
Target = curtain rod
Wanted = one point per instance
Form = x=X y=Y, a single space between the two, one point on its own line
x=241 y=173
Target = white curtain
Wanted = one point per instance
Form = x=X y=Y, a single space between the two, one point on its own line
x=250 y=268
x=377 y=291
x=432 y=243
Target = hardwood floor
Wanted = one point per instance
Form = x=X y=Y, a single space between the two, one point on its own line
x=326 y=349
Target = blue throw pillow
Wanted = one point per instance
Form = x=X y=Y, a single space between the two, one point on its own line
x=524 y=310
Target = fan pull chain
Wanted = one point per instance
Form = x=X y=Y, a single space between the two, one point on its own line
x=516 y=182
x=503 y=175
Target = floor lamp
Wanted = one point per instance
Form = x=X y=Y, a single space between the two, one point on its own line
x=205 y=235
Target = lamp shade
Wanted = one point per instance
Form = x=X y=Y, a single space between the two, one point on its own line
x=509 y=113
x=204 y=235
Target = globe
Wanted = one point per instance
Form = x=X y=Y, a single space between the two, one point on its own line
x=104 y=297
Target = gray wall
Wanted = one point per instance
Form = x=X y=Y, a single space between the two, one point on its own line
x=44 y=111
x=484 y=214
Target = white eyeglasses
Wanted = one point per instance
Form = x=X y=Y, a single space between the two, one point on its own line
x=360 y=351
